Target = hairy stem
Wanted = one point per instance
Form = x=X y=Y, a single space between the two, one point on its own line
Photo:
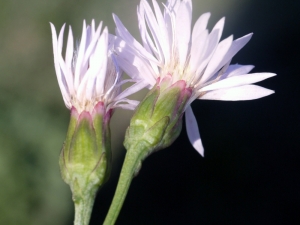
x=83 y=210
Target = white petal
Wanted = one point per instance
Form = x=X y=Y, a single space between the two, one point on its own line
x=212 y=43
x=238 y=81
x=78 y=68
x=123 y=32
x=147 y=42
x=193 y=131
x=234 y=48
x=131 y=90
x=57 y=55
x=154 y=28
x=91 y=46
x=245 y=92
x=169 y=26
x=131 y=104
x=135 y=66
x=164 y=33
x=56 y=63
x=219 y=27
x=236 y=70
x=217 y=58
x=200 y=25
x=197 y=52
x=209 y=48
x=183 y=29
x=69 y=49
x=237 y=45
x=101 y=51
x=60 y=39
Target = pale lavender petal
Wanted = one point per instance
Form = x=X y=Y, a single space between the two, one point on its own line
x=169 y=21
x=164 y=33
x=234 y=48
x=200 y=25
x=198 y=45
x=69 y=49
x=217 y=58
x=91 y=47
x=236 y=70
x=193 y=130
x=147 y=42
x=101 y=51
x=154 y=28
x=133 y=65
x=78 y=68
x=58 y=71
x=183 y=29
x=131 y=104
x=245 y=92
x=213 y=40
x=219 y=27
x=123 y=32
x=210 y=46
x=238 y=81
x=60 y=39
x=131 y=90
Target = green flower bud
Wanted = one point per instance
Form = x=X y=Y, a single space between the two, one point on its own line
x=157 y=121
x=86 y=156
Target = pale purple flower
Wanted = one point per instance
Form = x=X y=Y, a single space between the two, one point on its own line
x=197 y=56
x=89 y=73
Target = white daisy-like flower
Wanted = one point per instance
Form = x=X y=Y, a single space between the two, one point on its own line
x=89 y=74
x=198 y=57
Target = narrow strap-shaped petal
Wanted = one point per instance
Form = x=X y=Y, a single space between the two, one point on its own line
x=236 y=70
x=68 y=62
x=59 y=75
x=219 y=27
x=147 y=42
x=164 y=33
x=183 y=29
x=245 y=92
x=155 y=30
x=213 y=40
x=101 y=51
x=91 y=47
x=193 y=130
x=169 y=27
x=236 y=45
x=131 y=103
x=131 y=90
x=200 y=25
x=197 y=52
x=209 y=48
x=217 y=58
x=78 y=70
x=132 y=64
x=70 y=49
x=123 y=32
x=238 y=81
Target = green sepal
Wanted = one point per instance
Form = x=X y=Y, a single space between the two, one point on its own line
x=157 y=121
x=85 y=158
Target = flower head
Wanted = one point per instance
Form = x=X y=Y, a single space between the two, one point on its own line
x=171 y=48
x=89 y=74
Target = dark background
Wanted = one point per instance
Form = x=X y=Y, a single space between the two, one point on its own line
x=249 y=174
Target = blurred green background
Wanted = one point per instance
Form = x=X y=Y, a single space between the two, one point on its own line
x=34 y=120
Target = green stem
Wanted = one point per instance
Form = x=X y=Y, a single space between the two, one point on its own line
x=130 y=166
x=83 y=210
